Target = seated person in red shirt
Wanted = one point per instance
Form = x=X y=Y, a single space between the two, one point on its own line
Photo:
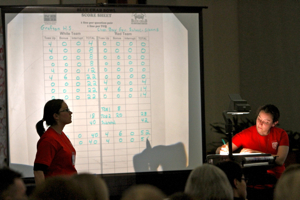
x=264 y=137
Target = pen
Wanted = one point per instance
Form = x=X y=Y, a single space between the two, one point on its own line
x=224 y=142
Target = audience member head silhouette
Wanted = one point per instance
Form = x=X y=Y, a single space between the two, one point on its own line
x=94 y=186
x=235 y=175
x=59 y=188
x=11 y=185
x=143 y=192
x=287 y=186
x=291 y=168
x=208 y=182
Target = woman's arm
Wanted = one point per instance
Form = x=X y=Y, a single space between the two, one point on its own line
x=281 y=154
x=39 y=177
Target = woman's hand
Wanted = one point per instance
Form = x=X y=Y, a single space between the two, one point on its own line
x=222 y=150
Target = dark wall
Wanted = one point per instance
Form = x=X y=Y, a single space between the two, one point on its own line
x=269 y=51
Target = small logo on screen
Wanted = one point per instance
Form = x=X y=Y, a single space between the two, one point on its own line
x=50 y=18
x=138 y=18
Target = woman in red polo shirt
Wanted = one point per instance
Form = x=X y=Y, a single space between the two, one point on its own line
x=55 y=153
x=264 y=137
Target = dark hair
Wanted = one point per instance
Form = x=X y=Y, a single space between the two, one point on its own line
x=269 y=108
x=232 y=170
x=51 y=107
x=7 y=178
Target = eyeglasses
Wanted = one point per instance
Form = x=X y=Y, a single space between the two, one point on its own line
x=65 y=110
x=245 y=179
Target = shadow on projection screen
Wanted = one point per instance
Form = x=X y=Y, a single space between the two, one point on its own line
x=131 y=79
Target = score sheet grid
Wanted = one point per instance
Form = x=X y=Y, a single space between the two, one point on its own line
x=105 y=80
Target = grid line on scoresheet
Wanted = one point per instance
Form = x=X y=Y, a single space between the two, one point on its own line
x=126 y=149
x=99 y=107
x=86 y=102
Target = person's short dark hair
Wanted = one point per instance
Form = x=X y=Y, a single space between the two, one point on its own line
x=273 y=110
x=232 y=170
x=7 y=178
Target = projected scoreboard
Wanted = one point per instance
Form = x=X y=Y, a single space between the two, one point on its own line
x=129 y=78
x=105 y=79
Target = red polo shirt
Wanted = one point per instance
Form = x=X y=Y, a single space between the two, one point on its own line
x=56 y=151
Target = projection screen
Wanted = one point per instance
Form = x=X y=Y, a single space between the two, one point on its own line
x=132 y=76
